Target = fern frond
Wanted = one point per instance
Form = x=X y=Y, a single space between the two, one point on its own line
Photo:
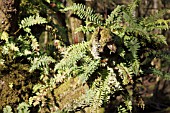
x=114 y=16
x=159 y=24
x=138 y=30
x=32 y=20
x=132 y=44
x=34 y=43
x=133 y=27
x=89 y=70
x=23 y=107
x=162 y=74
x=152 y=18
x=128 y=17
x=41 y=63
x=163 y=22
x=7 y=109
x=159 y=39
x=85 y=29
x=135 y=67
x=85 y=13
x=73 y=54
x=164 y=55
x=132 y=6
x=125 y=73
x=100 y=91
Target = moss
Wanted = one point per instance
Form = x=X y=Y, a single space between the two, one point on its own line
x=90 y=110
x=68 y=89
x=15 y=85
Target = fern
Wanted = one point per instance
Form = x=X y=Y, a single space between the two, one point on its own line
x=41 y=92
x=130 y=36
x=41 y=63
x=86 y=29
x=34 y=43
x=159 y=39
x=132 y=6
x=164 y=55
x=23 y=108
x=100 y=91
x=85 y=13
x=122 y=109
x=133 y=27
x=32 y=20
x=133 y=45
x=162 y=74
x=135 y=67
x=88 y=70
x=7 y=109
x=115 y=14
x=125 y=73
x=93 y=73
x=152 y=18
x=162 y=22
x=78 y=54
x=73 y=54
x=155 y=22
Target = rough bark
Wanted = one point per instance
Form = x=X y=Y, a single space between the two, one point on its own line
x=72 y=23
x=9 y=15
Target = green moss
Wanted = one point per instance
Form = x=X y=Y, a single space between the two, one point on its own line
x=90 y=110
x=68 y=89
x=15 y=86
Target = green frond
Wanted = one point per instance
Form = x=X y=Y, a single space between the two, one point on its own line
x=114 y=17
x=100 y=91
x=162 y=74
x=85 y=29
x=88 y=70
x=138 y=30
x=76 y=62
x=132 y=6
x=23 y=108
x=159 y=24
x=32 y=20
x=85 y=13
x=155 y=22
x=135 y=67
x=7 y=109
x=159 y=39
x=133 y=27
x=41 y=63
x=128 y=17
x=122 y=109
x=34 y=43
x=73 y=54
x=162 y=22
x=164 y=55
x=152 y=18
x=125 y=73
x=132 y=44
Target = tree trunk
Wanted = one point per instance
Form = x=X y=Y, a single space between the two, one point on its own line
x=72 y=23
x=9 y=15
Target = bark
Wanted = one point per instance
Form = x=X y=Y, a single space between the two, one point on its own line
x=9 y=15
x=72 y=23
